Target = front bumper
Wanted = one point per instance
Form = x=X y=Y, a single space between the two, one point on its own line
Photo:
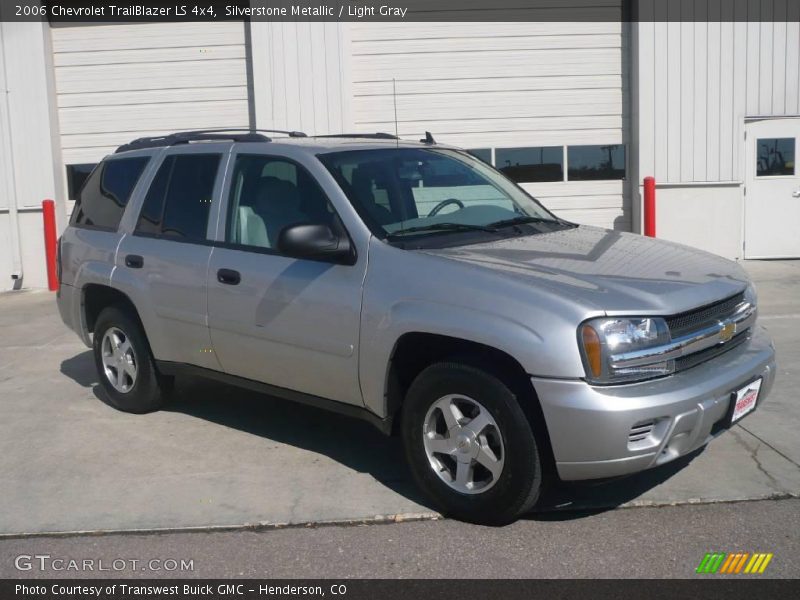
x=596 y=432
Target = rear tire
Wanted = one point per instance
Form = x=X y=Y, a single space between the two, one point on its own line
x=469 y=445
x=125 y=364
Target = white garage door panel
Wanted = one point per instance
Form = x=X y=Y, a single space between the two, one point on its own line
x=145 y=35
x=486 y=44
x=479 y=85
x=154 y=96
x=110 y=78
x=490 y=105
x=449 y=31
x=148 y=55
x=115 y=83
x=131 y=118
x=585 y=61
x=500 y=84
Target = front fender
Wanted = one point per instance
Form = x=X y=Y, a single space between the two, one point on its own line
x=381 y=331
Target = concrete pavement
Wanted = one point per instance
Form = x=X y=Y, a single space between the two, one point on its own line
x=641 y=542
x=223 y=457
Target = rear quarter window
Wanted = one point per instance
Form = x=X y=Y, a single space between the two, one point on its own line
x=103 y=198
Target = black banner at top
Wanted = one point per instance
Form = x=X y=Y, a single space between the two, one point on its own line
x=125 y=11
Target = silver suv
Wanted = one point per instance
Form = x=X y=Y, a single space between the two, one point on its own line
x=413 y=286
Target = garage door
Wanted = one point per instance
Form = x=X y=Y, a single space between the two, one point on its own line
x=118 y=82
x=542 y=101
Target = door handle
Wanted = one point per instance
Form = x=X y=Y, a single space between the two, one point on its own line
x=229 y=276
x=134 y=261
x=796 y=193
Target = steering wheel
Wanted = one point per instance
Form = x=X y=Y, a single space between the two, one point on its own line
x=444 y=203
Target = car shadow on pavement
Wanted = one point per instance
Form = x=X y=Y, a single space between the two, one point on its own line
x=359 y=446
x=351 y=442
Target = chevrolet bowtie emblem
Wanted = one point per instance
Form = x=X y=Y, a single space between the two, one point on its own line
x=727 y=332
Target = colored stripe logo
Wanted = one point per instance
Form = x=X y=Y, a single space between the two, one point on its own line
x=734 y=563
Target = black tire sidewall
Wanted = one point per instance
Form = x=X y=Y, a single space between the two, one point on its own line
x=145 y=395
x=520 y=482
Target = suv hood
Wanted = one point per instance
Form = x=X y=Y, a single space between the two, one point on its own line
x=609 y=271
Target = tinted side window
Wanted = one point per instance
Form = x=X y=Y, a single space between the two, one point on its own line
x=105 y=195
x=179 y=199
x=76 y=177
x=153 y=207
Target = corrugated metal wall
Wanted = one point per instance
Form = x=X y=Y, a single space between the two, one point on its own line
x=300 y=76
x=699 y=80
x=479 y=85
x=118 y=82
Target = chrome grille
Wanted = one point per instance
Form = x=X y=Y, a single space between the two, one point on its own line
x=692 y=360
x=698 y=318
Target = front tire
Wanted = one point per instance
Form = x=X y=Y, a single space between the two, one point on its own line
x=469 y=445
x=125 y=364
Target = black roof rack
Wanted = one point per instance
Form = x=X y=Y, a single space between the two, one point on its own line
x=371 y=136
x=205 y=135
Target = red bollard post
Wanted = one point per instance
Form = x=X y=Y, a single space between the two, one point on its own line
x=50 y=243
x=650 y=207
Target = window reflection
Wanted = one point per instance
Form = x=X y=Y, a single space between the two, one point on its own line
x=775 y=157
x=596 y=162
x=523 y=165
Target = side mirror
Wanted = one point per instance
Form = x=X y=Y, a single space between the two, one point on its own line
x=315 y=242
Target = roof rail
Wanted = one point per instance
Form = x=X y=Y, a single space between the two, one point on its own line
x=373 y=136
x=201 y=135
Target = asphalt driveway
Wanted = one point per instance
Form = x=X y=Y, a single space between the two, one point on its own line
x=224 y=457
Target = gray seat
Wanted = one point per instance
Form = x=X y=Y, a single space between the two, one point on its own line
x=252 y=231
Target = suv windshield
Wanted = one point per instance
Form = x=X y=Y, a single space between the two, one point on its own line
x=406 y=194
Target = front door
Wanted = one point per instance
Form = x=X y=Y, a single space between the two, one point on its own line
x=772 y=197
x=283 y=321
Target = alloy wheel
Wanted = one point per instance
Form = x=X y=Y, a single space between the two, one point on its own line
x=463 y=444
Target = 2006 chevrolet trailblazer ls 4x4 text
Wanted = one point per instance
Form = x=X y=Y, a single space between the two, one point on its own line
x=414 y=286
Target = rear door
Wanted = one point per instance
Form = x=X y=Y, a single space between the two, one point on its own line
x=164 y=261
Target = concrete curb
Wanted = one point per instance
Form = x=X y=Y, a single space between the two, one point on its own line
x=374 y=520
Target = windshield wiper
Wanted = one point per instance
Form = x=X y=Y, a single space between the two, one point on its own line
x=523 y=220
x=443 y=227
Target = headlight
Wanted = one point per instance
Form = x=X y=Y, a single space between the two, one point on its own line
x=601 y=339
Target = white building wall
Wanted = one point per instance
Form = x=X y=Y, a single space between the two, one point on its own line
x=30 y=157
x=301 y=76
x=696 y=82
x=497 y=85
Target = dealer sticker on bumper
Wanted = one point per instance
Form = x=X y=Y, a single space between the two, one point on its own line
x=745 y=400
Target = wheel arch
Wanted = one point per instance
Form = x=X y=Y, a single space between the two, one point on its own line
x=414 y=351
x=96 y=296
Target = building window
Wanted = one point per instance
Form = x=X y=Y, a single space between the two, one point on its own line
x=102 y=200
x=586 y=163
x=527 y=165
x=484 y=154
x=775 y=157
x=76 y=176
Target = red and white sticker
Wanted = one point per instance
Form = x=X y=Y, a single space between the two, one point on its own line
x=746 y=399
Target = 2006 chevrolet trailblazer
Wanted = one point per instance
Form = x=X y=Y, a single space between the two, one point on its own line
x=414 y=286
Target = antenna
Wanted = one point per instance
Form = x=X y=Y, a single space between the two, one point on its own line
x=394 y=98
